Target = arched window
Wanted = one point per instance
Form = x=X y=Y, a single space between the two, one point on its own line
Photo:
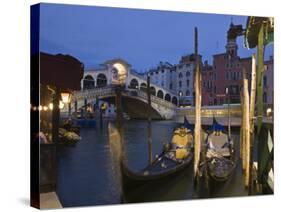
x=134 y=84
x=160 y=94
x=180 y=84
x=88 y=82
x=168 y=97
x=143 y=86
x=187 y=82
x=187 y=93
x=101 y=80
x=187 y=73
x=180 y=75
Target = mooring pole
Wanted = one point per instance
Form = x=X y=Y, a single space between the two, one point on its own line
x=56 y=115
x=229 y=127
x=197 y=130
x=149 y=138
x=75 y=108
x=85 y=106
x=260 y=72
x=119 y=111
x=69 y=110
x=242 y=128
x=119 y=115
x=246 y=126
x=252 y=123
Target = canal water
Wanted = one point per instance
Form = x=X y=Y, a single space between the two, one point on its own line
x=86 y=173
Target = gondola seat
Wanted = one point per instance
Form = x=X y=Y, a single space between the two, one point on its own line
x=217 y=145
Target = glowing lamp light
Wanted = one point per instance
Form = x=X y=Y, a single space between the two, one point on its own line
x=269 y=111
x=51 y=106
x=61 y=105
x=65 y=97
x=180 y=93
x=122 y=72
x=40 y=108
x=45 y=108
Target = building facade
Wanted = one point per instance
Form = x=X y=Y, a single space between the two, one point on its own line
x=226 y=73
x=163 y=75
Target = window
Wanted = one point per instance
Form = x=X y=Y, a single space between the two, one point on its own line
x=187 y=93
x=187 y=73
x=227 y=75
x=265 y=81
x=180 y=75
x=215 y=101
x=187 y=82
x=162 y=71
x=180 y=84
x=171 y=86
x=264 y=97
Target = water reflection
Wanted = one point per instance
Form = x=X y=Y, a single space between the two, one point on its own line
x=86 y=175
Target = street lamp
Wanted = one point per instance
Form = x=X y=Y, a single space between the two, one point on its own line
x=180 y=93
x=65 y=97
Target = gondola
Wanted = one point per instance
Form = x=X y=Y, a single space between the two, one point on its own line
x=174 y=159
x=220 y=158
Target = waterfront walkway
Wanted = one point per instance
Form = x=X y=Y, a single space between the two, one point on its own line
x=234 y=121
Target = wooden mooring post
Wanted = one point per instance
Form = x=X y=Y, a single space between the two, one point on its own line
x=149 y=136
x=248 y=126
x=197 y=130
x=119 y=114
x=252 y=123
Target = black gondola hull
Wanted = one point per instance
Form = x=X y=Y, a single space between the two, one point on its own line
x=133 y=180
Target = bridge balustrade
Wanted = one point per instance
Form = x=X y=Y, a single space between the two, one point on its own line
x=110 y=91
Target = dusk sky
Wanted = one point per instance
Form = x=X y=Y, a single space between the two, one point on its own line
x=142 y=37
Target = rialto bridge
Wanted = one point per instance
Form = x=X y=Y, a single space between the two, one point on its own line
x=99 y=83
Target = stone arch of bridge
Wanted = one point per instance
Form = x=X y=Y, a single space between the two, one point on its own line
x=134 y=84
x=88 y=82
x=102 y=80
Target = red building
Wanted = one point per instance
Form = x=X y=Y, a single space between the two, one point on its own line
x=225 y=72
